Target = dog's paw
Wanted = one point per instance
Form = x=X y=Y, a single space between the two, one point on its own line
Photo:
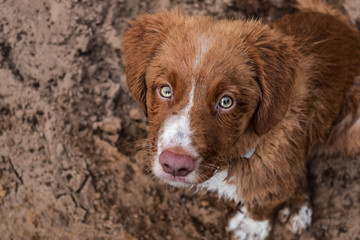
x=297 y=221
x=245 y=228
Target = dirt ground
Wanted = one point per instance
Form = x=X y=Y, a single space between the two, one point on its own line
x=69 y=131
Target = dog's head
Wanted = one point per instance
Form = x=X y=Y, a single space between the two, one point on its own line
x=210 y=89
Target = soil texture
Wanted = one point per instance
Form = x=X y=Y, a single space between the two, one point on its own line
x=70 y=167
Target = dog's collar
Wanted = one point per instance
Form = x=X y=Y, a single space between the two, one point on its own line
x=249 y=153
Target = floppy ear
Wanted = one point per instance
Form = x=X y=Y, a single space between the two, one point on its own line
x=140 y=43
x=275 y=64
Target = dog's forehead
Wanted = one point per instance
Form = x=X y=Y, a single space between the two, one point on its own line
x=194 y=57
x=199 y=56
x=187 y=47
x=204 y=47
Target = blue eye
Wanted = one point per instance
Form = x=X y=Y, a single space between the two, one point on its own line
x=165 y=91
x=225 y=102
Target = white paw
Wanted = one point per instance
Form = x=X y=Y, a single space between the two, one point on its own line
x=301 y=220
x=245 y=228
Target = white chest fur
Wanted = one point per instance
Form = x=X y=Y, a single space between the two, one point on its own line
x=217 y=183
x=224 y=188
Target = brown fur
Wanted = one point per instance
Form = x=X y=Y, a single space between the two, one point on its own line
x=292 y=80
x=319 y=6
x=344 y=137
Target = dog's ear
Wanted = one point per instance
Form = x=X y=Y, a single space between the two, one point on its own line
x=140 y=43
x=276 y=68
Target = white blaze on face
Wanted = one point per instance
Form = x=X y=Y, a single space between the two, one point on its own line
x=203 y=47
x=176 y=131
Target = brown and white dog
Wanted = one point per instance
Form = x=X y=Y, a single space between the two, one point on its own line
x=240 y=107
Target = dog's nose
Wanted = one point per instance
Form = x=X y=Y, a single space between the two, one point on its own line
x=176 y=164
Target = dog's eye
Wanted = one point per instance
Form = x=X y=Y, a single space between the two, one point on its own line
x=165 y=91
x=225 y=102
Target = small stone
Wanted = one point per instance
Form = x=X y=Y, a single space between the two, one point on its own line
x=113 y=91
x=110 y=124
x=135 y=114
x=2 y=191
x=97 y=195
x=83 y=43
x=80 y=75
x=92 y=70
x=67 y=82
x=65 y=164
x=19 y=113
x=97 y=90
x=93 y=118
x=98 y=100
x=59 y=150
x=209 y=2
x=205 y=203
x=110 y=137
x=67 y=128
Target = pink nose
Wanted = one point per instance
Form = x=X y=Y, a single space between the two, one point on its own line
x=176 y=164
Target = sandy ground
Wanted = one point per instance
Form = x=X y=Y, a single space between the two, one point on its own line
x=69 y=168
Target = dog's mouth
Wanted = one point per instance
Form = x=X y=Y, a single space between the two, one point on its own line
x=176 y=181
x=180 y=181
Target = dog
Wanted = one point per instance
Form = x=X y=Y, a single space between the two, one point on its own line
x=240 y=107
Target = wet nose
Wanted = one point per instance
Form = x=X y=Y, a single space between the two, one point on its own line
x=176 y=164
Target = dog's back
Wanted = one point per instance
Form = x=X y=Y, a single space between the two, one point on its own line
x=320 y=7
x=334 y=47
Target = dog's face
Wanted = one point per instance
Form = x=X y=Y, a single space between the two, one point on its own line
x=205 y=87
x=199 y=105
